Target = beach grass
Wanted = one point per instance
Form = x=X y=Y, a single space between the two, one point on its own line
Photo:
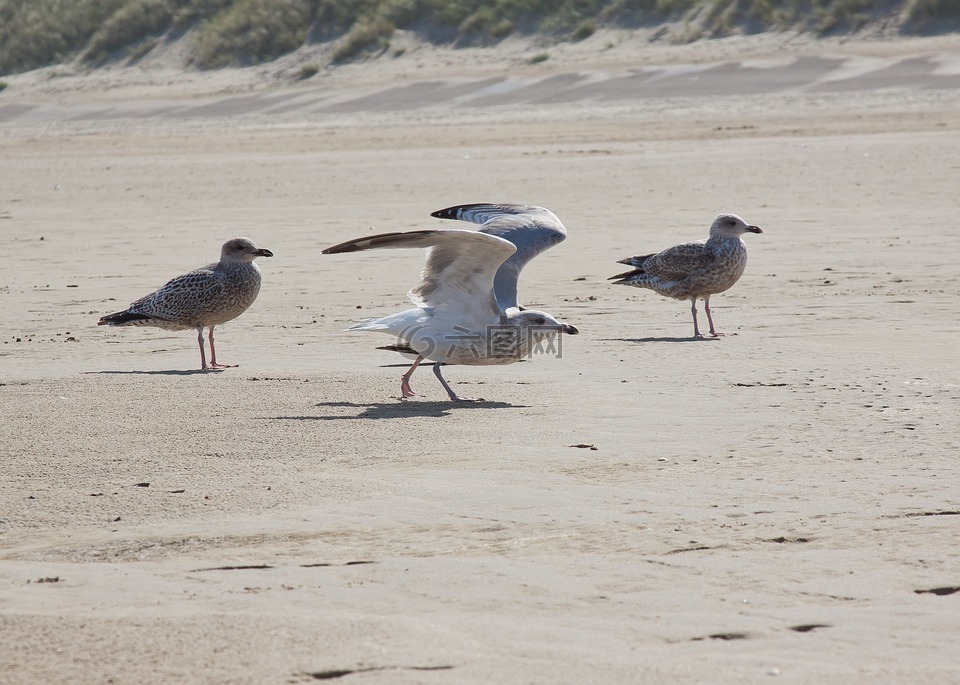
x=37 y=33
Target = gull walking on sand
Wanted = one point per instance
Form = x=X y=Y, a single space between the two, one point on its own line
x=530 y=228
x=206 y=297
x=693 y=270
x=457 y=318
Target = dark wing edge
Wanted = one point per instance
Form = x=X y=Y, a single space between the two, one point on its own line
x=392 y=239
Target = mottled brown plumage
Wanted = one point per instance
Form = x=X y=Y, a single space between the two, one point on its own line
x=205 y=297
x=693 y=270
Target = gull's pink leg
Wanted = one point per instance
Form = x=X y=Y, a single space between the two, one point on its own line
x=213 y=356
x=453 y=396
x=693 y=310
x=405 y=389
x=706 y=307
x=203 y=356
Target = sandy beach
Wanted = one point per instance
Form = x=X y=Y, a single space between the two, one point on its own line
x=778 y=505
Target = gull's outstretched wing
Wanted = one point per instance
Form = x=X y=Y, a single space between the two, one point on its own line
x=459 y=271
x=532 y=229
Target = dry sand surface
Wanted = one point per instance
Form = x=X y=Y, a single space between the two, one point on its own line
x=779 y=505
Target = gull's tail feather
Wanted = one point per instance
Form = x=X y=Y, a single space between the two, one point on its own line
x=398 y=347
x=637 y=260
x=629 y=277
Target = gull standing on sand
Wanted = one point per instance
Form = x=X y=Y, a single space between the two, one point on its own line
x=206 y=297
x=692 y=270
x=530 y=228
x=458 y=319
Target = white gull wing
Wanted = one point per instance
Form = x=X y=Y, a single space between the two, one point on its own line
x=532 y=229
x=457 y=279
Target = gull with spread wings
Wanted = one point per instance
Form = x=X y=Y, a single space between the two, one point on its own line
x=530 y=228
x=458 y=318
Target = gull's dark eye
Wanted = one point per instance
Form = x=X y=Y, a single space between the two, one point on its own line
x=540 y=320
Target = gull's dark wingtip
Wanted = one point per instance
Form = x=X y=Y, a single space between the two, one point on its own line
x=625 y=276
x=452 y=212
x=337 y=249
x=379 y=240
x=121 y=318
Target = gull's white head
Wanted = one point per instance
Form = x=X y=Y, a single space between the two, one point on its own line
x=242 y=250
x=531 y=318
x=731 y=226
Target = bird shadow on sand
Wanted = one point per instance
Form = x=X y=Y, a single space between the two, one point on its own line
x=170 y=372
x=663 y=339
x=399 y=409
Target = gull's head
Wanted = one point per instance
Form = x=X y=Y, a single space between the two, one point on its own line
x=242 y=250
x=531 y=318
x=732 y=226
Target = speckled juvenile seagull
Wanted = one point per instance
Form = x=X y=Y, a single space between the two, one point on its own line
x=206 y=297
x=692 y=270
x=457 y=318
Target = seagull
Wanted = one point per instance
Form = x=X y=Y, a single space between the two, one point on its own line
x=457 y=318
x=693 y=270
x=531 y=228
x=205 y=297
